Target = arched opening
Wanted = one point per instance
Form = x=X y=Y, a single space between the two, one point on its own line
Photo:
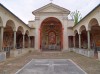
x=51 y=34
x=70 y=42
x=19 y=37
x=95 y=35
x=76 y=39
x=32 y=41
x=84 y=40
x=27 y=39
x=8 y=39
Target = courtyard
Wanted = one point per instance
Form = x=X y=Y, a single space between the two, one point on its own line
x=52 y=42
x=12 y=65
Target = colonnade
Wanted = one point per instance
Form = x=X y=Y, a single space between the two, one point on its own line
x=14 y=39
x=80 y=42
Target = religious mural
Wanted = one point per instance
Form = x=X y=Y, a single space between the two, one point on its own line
x=52 y=38
x=51 y=35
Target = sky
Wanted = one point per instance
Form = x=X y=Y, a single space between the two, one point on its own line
x=23 y=8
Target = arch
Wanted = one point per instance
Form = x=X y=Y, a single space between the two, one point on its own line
x=9 y=34
x=48 y=19
x=94 y=28
x=26 y=39
x=76 y=39
x=27 y=32
x=82 y=28
x=1 y=22
x=19 y=37
x=84 y=39
x=93 y=22
x=75 y=32
x=20 y=28
x=11 y=24
x=48 y=25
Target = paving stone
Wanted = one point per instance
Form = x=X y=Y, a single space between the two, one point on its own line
x=51 y=66
x=89 y=65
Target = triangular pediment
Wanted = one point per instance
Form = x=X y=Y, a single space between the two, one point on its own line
x=51 y=8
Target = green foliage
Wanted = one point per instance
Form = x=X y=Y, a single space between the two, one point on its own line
x=76 y=16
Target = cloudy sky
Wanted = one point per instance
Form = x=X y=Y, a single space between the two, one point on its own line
x=23 y=8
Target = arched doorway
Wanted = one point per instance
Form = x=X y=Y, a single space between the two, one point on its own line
x=51 y=34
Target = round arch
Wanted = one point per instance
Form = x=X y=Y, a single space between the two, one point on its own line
x=84 y=39
x=27 y=32
x=93 y=22
x=76 y=39
x=19 y=37
x=10 y=23
x=9 y=34
x=75 y=32
x=52 y=26
x=54 y=19
x=21 y=29
x=26 y=39
x=94 y=28
x=82 y=28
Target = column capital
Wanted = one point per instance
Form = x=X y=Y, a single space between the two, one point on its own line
x=23 y=34
x=1 y=27
x=88 y=30
x=15 y=31
x=79 y=34
x=28 y=36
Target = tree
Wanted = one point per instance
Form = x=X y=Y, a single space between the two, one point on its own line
x=76 y=16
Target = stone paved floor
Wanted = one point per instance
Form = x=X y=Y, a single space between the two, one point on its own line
x=90 y=65
x=51 y=66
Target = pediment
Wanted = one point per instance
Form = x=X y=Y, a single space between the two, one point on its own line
x=51 y=8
